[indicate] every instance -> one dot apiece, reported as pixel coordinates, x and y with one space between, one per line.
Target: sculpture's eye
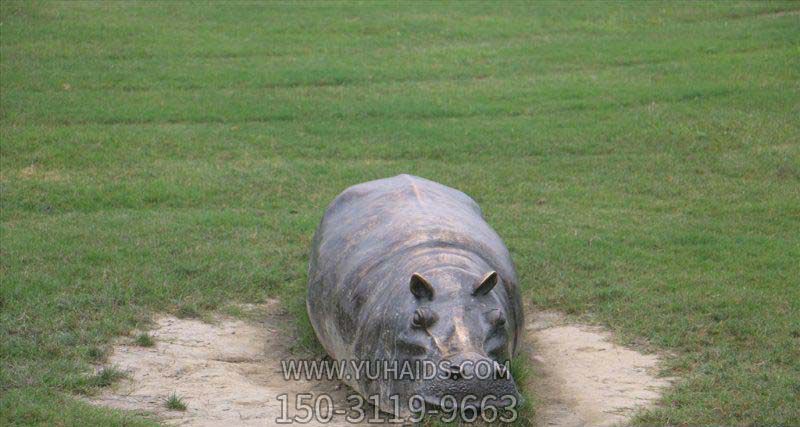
496 318
423 318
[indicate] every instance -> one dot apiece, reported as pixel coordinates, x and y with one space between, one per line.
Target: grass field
641 161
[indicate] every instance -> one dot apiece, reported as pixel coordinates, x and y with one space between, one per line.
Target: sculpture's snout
472 382
472 365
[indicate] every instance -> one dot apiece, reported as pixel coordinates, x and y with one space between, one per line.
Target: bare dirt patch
582 378
229 373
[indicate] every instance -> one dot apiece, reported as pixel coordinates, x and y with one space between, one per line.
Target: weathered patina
406 269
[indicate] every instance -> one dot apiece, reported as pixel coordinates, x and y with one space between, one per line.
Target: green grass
175 402
106 376
145 340
641 162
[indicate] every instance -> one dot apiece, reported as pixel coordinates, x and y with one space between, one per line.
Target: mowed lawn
641 161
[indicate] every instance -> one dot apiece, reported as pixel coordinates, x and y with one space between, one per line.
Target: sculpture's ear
485 284
420 287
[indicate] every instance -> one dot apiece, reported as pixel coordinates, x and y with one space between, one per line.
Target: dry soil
228 372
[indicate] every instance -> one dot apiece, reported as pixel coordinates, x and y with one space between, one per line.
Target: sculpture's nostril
500 371
454 371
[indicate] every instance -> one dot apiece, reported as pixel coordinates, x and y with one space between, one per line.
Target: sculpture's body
405 269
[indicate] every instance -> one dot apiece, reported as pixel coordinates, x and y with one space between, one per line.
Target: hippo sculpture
406 269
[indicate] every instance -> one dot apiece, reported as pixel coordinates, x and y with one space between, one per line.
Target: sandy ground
583 378
229 373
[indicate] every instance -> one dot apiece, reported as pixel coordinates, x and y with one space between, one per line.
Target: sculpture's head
459 323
